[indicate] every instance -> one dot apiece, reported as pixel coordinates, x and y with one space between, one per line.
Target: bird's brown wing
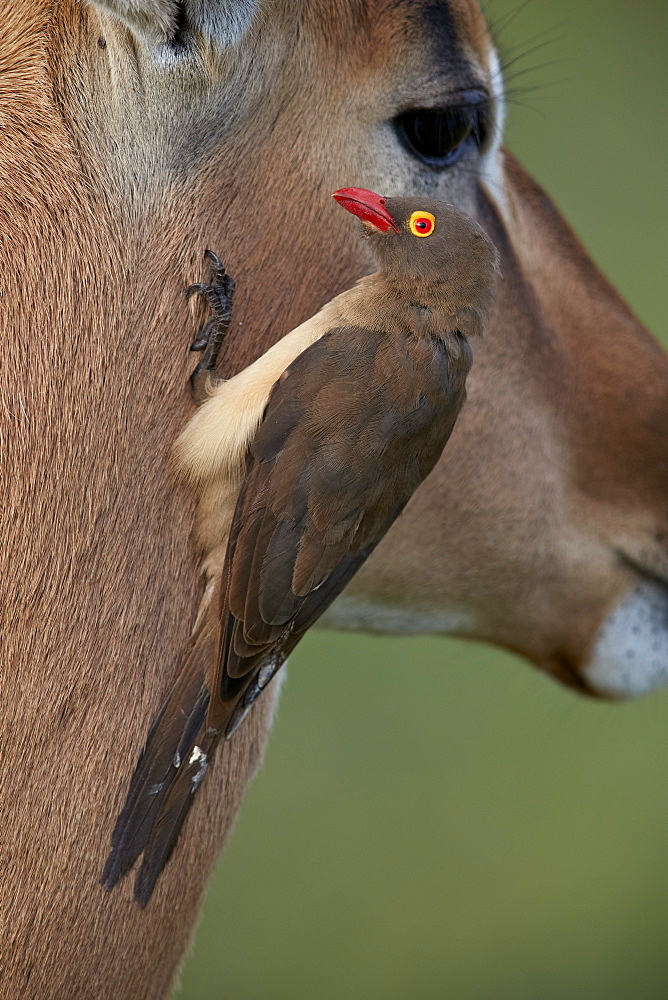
350 431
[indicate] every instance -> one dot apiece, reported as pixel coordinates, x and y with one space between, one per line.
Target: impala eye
439 138
422 223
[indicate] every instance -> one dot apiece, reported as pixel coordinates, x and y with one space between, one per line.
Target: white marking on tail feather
198 755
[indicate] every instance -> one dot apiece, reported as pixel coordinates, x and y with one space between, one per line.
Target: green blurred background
475 832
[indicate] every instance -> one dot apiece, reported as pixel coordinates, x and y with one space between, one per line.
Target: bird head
431 247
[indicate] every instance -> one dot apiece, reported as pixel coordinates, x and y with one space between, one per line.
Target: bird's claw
218 293
203 336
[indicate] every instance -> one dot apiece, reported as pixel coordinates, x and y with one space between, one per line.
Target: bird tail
168 774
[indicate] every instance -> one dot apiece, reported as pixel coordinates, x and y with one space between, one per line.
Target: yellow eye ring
422 223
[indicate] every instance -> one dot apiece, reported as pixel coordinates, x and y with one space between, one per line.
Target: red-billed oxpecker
303 461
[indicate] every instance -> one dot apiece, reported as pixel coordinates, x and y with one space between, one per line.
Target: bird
302 462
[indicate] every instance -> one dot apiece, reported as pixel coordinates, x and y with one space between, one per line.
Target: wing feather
350 430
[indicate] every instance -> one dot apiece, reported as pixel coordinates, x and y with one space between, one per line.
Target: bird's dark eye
439 138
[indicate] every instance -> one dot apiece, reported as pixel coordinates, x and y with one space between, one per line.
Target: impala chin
630 654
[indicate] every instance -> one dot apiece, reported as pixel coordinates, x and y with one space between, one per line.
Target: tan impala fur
543 528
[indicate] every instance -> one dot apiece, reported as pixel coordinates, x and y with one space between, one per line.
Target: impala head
544 527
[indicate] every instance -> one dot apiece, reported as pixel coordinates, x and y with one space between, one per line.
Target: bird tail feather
166 778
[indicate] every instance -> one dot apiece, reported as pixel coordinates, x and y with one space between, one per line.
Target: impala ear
157 21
